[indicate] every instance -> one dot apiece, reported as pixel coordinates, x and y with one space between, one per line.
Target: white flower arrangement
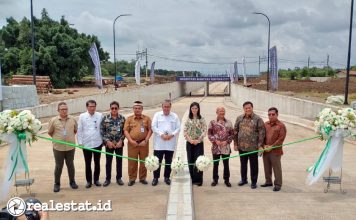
329 121
151 163
202 163
13 122
177 165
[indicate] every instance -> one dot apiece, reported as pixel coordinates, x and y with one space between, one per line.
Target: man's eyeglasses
114 108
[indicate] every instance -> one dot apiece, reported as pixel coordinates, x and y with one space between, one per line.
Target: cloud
206 30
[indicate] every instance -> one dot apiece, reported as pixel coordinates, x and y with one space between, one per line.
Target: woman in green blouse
194 132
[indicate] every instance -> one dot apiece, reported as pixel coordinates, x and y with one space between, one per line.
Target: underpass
296 200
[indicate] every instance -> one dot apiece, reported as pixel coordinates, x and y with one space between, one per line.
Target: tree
61 52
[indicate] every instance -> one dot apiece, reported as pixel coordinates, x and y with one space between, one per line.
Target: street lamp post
349 56
269 33
33 47
113 30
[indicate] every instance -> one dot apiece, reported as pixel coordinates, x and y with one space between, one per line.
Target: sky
208 35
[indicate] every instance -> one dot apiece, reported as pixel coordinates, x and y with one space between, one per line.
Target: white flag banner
93 51
273 68
183 74
152 73
138 73
231 74
236 71
244 70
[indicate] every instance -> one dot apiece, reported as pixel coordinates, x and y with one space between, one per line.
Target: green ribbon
189 164
327 130
18 151
86 148
270 148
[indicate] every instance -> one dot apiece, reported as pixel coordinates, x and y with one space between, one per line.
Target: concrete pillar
206 89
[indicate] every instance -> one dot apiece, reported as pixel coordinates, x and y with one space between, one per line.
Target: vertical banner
138 72
93 51
152 73
231 73
273 68
183 73
236 71
244 70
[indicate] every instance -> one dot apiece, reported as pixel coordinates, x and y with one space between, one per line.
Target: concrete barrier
262 100
150 95
19 96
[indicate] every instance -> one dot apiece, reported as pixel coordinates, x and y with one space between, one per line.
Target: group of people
95 131
250 135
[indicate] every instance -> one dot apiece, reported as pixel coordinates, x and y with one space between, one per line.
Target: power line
189 61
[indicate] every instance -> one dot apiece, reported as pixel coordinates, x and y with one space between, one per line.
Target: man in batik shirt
249 136
220 134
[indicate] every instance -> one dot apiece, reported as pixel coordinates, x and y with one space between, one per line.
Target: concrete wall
150 95
19 96
286 105
319 79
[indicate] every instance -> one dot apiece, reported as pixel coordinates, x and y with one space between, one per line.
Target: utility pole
349 56
327 61
33 47
308 62
259 65
146 63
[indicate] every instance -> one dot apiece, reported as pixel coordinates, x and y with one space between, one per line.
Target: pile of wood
43 83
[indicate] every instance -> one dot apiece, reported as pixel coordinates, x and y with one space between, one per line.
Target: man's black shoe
97 183
106 183
253 186
144 182
154 182
88 185
266 185
167 181
241 183
276 188
56 187
131 183
227 183
214 183
120 182
73 185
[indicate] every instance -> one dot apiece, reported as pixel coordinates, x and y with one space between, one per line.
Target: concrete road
295 201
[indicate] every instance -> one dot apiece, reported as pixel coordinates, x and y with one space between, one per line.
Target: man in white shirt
165 126
89 136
